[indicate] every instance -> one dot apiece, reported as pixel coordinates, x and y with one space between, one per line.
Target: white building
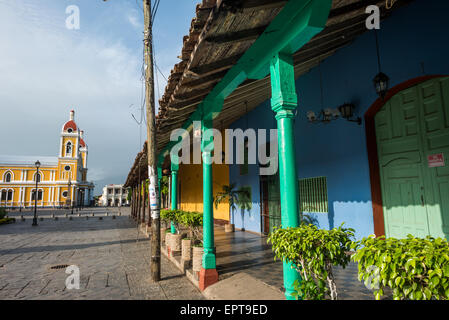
114 195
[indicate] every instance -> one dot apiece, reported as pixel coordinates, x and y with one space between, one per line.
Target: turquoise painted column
283 103
174 195
208 211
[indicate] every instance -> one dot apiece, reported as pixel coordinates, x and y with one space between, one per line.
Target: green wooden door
410 127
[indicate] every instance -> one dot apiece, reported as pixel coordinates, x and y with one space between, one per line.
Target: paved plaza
113 258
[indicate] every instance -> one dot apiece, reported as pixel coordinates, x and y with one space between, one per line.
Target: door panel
410 127
435 123
272 202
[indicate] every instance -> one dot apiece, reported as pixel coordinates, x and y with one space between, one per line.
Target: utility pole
151 137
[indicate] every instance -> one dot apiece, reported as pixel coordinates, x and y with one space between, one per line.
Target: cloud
47 70
133 19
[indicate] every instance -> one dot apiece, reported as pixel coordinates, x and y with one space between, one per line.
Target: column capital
283 83
285 114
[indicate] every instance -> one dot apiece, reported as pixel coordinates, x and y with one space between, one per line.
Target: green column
208 211
174 195
283 103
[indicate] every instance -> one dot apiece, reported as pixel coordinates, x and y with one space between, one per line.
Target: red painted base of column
207 277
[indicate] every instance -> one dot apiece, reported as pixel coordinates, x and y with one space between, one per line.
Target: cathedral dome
71 123
82 143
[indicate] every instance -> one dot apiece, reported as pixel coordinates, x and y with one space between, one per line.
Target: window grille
313 195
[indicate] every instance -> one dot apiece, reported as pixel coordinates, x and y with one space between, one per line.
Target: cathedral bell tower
69 153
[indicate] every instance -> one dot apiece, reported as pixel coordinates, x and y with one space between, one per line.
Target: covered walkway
246 252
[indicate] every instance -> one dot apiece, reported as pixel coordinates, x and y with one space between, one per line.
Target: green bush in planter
193 221
169 216
313 252
414 268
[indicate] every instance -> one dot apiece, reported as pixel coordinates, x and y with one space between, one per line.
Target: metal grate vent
313 195
59 266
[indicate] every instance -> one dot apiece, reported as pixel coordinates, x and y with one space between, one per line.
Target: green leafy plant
313 252
193 221
7 220
3 213
308 219
167 216
413 268
229 193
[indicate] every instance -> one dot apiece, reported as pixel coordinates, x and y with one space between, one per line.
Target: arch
10 195
6 174
69 149
40 194
3 194
41 176
373 157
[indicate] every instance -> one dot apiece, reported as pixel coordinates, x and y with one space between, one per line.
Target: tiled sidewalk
114 261
250 253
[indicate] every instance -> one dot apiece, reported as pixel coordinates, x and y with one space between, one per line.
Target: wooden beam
216 65
205 80
357 5
243 35
241 5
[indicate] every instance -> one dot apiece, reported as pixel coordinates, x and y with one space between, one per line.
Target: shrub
415 269
3 213
312 253
7 220
169 216
193 221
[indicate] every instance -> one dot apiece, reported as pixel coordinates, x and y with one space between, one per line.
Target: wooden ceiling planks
220 34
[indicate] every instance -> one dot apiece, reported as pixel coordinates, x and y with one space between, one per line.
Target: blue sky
46 70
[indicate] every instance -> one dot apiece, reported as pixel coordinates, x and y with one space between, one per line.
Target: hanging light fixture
381 80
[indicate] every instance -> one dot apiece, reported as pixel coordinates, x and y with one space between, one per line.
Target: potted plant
175 245
186 243
229 193
166 216
194 222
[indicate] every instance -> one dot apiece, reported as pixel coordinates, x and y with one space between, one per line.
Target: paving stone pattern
113 265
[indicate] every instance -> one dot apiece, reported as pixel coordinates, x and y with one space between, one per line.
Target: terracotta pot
163 235
229 227
197 258
175 244
168 239
186 249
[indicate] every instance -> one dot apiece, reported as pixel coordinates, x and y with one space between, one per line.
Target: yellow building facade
190 184
62 180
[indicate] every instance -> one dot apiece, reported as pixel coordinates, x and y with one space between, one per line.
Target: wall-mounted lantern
345 111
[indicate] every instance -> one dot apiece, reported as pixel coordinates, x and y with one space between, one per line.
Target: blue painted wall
413 35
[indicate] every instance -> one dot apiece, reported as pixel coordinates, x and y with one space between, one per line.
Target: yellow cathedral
62 180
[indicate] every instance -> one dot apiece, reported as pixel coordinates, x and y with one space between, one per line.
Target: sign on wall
436 160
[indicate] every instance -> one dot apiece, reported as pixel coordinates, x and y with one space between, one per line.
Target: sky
46 70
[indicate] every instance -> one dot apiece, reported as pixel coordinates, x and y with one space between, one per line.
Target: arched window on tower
68 149
37 177
8 177
10 195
